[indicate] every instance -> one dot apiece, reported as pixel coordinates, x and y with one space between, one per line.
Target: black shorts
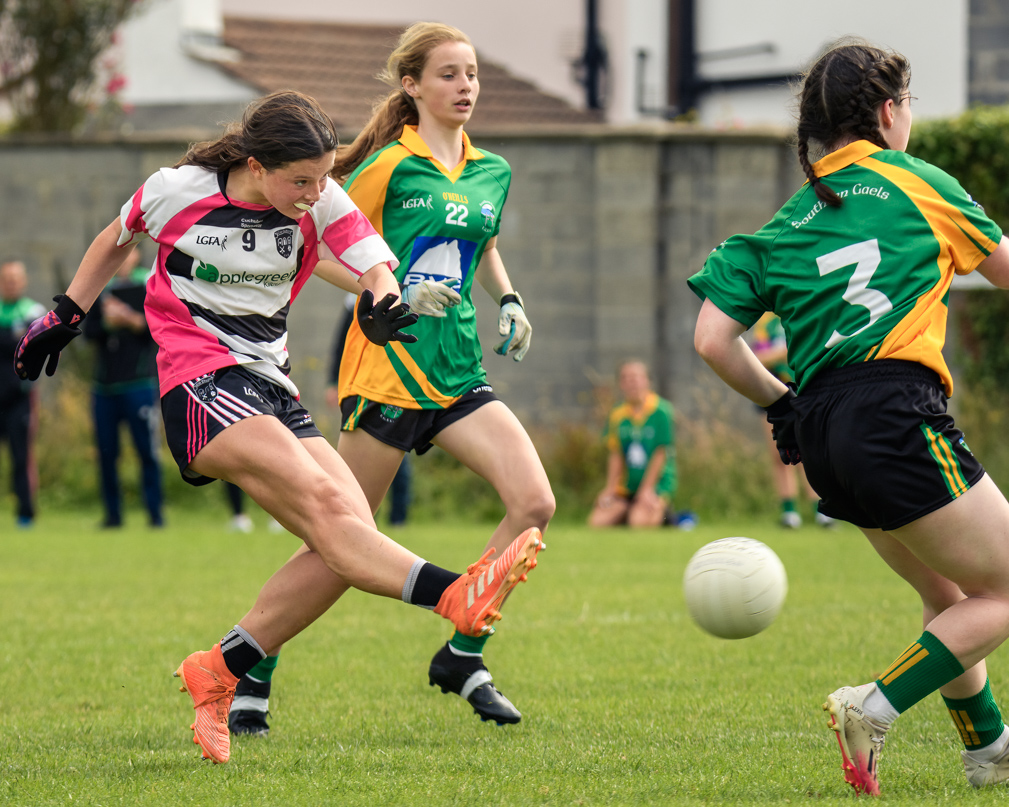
199 410
878 446
409 429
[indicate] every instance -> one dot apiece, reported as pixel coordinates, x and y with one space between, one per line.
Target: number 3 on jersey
865 255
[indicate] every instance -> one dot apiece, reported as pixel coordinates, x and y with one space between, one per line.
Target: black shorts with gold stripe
879 447
409 429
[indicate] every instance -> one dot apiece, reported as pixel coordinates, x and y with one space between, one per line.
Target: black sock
241 652
426 584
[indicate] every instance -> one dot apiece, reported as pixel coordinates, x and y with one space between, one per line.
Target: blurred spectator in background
18 400
770 346
640 435
125 389
240 520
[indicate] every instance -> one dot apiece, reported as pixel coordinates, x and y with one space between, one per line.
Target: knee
325 502
539 508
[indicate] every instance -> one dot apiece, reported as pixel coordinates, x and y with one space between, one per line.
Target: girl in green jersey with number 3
437 201
858 265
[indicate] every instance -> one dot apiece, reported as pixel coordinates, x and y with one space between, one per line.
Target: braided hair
839 102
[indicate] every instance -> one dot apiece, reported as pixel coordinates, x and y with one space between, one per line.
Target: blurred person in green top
18 401
640 435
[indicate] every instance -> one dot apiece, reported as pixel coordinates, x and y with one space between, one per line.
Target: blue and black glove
46 337
783 418
381 322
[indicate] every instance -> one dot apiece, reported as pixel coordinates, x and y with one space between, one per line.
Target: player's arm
718 339
383 322
513 324
380 281
99 265
46 337
995 268
337 275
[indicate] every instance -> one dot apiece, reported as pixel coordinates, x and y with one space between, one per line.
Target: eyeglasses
907 97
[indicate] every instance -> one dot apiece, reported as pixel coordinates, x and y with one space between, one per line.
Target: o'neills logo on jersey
285 242
489 215
211 274
419 202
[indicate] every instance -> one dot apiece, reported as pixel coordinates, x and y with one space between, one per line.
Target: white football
734 587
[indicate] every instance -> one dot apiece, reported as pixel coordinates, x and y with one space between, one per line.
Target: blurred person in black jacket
125 389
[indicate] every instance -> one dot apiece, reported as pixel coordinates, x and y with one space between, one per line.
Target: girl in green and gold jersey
437 201
858 265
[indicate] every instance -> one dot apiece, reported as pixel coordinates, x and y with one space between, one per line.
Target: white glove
430 298
513 325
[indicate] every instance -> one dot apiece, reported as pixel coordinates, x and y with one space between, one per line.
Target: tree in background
49 58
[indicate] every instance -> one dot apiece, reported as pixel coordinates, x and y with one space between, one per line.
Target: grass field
625 700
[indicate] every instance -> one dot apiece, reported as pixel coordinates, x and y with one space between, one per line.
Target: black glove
381 322
782 418
46 337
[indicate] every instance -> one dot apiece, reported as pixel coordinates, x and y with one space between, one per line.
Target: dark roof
338 64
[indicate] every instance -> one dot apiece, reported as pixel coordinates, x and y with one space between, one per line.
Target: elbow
705 345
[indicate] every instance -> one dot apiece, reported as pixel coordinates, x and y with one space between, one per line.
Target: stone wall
988 37
599 235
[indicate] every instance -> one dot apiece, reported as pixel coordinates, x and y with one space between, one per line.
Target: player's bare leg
957 558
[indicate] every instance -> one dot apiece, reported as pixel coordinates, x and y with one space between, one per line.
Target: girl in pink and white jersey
240 223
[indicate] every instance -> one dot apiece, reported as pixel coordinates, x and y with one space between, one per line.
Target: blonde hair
397 109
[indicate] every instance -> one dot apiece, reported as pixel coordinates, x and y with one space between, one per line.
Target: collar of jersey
844 156
411 140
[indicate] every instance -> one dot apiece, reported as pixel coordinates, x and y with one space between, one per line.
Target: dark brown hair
840 99
277 129
397 109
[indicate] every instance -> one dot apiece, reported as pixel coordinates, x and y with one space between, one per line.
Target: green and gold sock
921 669
977 718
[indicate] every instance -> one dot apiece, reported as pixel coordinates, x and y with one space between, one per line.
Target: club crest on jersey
285 242
207 271
205 388
390 413
489 215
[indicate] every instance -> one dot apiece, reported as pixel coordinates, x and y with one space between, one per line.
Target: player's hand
430 298
46 337
381 322
513 325
782 418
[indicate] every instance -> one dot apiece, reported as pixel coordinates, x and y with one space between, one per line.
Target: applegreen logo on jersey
207 271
